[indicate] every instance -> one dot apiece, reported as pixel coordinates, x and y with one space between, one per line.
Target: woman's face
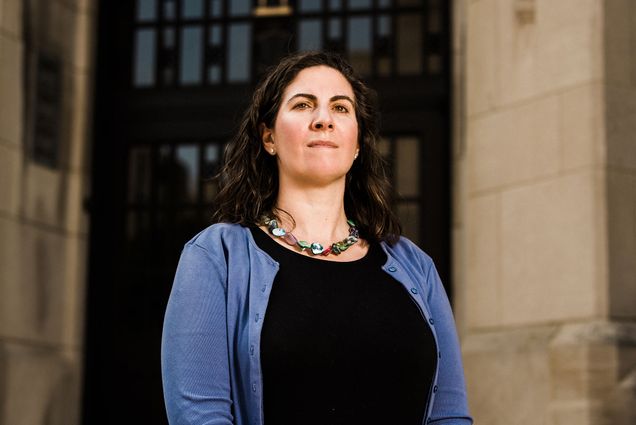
315 135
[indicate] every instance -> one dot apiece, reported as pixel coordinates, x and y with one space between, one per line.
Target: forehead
319 80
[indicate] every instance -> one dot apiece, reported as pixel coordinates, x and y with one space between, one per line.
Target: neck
318 212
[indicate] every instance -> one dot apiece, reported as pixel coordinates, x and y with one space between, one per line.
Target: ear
267 139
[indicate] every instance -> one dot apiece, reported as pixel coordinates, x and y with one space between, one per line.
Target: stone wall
43 228
545 210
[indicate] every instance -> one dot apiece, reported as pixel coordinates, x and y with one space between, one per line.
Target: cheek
288 130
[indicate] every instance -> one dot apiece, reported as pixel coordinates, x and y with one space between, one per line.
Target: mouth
322 144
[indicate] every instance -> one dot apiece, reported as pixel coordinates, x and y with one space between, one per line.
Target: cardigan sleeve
450 406
194 348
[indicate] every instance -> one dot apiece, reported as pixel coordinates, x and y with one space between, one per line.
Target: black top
342 343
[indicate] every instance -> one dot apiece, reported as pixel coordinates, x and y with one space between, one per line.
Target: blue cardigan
210 353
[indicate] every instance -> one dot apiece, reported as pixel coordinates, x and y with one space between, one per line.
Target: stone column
43 228
545 196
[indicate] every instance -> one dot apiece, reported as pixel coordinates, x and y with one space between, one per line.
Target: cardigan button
435 389
252 349
431 321
256 317
254 387
414 290
392 269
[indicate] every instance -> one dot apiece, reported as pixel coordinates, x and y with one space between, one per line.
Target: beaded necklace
314 248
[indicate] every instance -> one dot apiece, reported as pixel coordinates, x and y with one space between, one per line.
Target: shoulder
219 239
219 233
405 251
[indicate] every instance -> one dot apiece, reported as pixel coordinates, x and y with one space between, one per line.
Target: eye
341 108
302 105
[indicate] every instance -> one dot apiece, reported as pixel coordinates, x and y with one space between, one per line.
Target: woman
340 322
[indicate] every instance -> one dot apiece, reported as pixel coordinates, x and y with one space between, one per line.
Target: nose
322 120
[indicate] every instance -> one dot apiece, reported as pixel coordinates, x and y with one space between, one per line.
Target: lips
322 144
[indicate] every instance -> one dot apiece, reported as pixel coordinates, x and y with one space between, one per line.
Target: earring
272 151
356 154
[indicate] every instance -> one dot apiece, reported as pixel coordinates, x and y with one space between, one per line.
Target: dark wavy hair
248 179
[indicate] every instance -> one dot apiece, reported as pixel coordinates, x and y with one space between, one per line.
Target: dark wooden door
172 78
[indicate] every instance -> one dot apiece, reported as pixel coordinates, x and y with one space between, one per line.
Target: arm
194 349
450 406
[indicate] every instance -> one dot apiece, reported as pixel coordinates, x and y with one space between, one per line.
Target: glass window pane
239 52
168 37
384 25
359 44
435 65
146 10
409 44
192 9
434 17
137 229
384 3
359 4
216 8
335 4
407 181
310 34
239 7
187 172
214 74
335 28
145 58
191 55
215 35
384 147
164 179
408 214
211 164
384 66
169 10
139 175
309 5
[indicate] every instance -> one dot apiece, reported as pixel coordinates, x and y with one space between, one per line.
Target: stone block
593 374
621 210
507 375
620 42
514 145
560 48
11 90
483 261
583 124
83 39
42 385
11 17
481 71
74 292
45 195
9 267
78 109
552 252
10 164
568 370
34 299
75 218
621 126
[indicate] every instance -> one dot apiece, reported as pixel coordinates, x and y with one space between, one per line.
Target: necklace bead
314 248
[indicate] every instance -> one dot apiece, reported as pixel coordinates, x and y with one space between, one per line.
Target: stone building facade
544 208
43 226
545 231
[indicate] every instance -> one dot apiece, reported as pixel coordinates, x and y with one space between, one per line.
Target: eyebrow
314 98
